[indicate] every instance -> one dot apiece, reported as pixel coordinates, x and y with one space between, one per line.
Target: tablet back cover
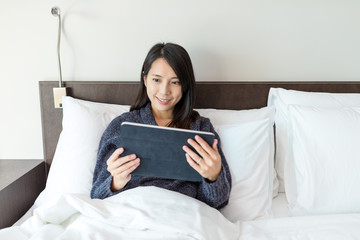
160 150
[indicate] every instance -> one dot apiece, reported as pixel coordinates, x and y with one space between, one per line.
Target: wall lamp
60 91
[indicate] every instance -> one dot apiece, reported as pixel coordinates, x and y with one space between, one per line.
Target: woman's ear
145 82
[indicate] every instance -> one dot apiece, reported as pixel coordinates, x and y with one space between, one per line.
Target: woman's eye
176 82
155 79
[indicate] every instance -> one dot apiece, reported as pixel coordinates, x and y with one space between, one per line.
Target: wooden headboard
220 95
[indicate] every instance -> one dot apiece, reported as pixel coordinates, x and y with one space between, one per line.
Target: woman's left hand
208 161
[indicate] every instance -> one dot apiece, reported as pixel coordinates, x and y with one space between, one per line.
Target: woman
165 98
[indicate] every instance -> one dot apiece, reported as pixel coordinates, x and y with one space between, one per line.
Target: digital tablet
160 150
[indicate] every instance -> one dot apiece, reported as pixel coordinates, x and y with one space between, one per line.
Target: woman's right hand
120 168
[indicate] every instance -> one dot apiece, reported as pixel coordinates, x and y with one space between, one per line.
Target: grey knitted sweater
215 194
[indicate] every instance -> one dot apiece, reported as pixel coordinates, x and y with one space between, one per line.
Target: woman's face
163 88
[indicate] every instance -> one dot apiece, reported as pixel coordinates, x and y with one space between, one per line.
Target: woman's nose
164 88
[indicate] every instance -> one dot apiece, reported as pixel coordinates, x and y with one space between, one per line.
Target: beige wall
106 40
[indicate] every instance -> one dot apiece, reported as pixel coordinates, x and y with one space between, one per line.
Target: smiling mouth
162 100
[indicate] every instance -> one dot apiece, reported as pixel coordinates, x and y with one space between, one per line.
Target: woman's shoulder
129 115
203 123
199 117
132 116
113 128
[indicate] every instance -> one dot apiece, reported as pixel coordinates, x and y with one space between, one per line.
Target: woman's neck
163 122
162 119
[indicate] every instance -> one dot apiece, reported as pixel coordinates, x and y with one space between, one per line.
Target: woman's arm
102 179
217 193
216 184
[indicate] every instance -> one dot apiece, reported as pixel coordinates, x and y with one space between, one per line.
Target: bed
292 148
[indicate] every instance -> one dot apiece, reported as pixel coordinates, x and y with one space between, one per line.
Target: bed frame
220 95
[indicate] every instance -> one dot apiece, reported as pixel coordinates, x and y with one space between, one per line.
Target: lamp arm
60 91
55 11
58 52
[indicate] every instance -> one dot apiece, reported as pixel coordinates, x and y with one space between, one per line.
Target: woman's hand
208 162
120 168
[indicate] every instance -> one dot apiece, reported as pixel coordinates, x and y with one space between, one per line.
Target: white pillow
281 98
322 172
75 157
248 144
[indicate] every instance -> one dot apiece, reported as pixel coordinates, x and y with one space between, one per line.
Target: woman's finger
194 165
127 168
203 144
215 148
115 155
120 161
199 149
211 150
194 156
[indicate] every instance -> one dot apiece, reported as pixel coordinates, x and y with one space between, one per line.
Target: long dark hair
179 60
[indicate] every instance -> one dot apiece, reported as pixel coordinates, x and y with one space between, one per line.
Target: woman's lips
162 100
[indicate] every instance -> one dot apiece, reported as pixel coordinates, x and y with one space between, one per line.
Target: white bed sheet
279 206
317 227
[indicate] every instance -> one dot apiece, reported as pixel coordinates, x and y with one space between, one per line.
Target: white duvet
155 213
140 213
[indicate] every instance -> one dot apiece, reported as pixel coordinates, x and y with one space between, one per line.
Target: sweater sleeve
102 178
217 193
